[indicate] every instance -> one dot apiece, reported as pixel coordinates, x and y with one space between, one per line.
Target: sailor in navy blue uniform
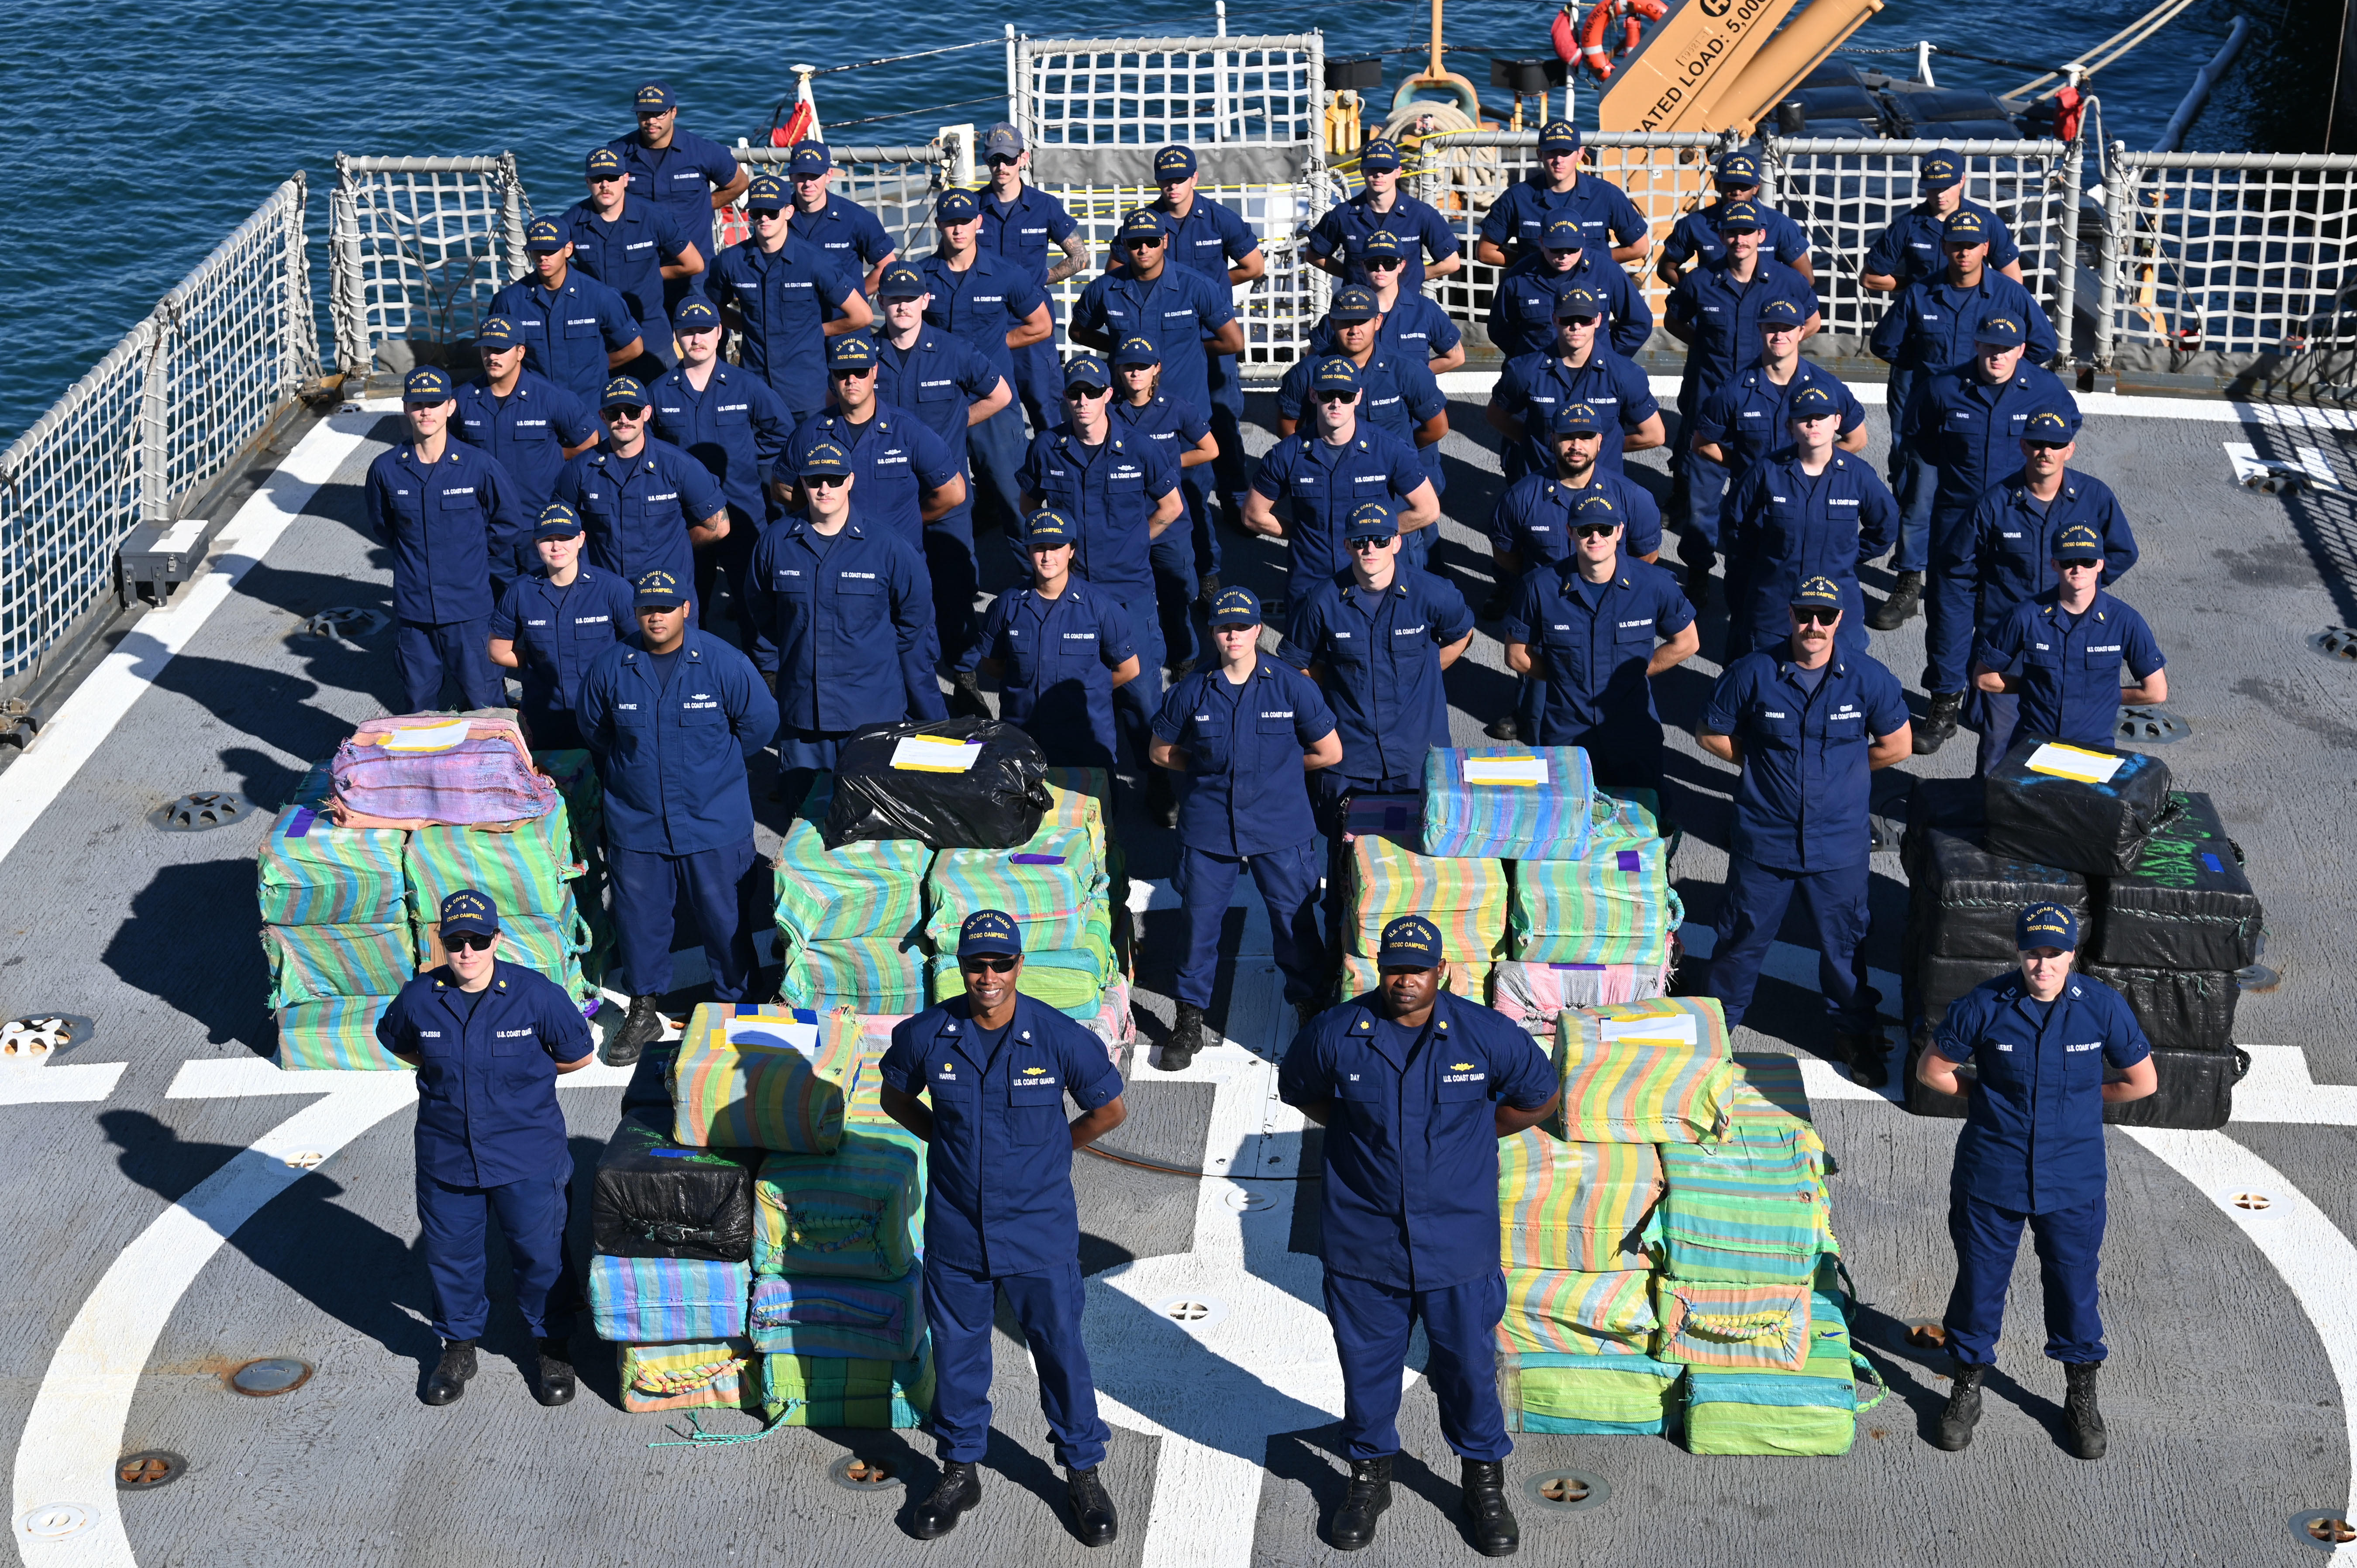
552 624
1000 309
1214 242
645 503
2043 1044
994 1067
1514 224
1415 1087
1397 394
1809 510
1590 633
734 423
1413 323
1694 237
449 514
671 715
787 298
1577 367
1908 248
576 331
846 616
634 246
488 1039
1715 310
908 478
2015 524
1532 523
1338 244
1240 737
1184 556
1968 423
1529 296
835 224
688 175
1330 470
1808 724
1019 221
521 417
1058 649
1176 307
2060 653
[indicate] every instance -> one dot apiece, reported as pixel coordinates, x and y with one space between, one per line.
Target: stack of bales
849 918
1057 888
333 930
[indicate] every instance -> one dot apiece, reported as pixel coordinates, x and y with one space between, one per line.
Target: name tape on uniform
1526 772
935 753
2060 761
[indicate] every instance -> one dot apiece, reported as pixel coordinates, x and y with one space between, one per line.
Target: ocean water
149 130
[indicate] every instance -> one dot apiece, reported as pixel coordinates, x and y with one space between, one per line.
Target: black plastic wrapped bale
951 783
1965 899
1942 982
1924 1100
2187 904
2045 814
650 1083
657 1199
1957 805
2196 1094
2179 1009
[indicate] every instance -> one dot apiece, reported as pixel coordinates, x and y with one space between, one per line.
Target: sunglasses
1384 263
624 413
1152 244
2047 446
606 178
1597 529
1083 394
1368 546
1000 160
1331 398
1578 321
1815 617
2079 563
1565 250
467 941
825 481
992 966
764 215
849 374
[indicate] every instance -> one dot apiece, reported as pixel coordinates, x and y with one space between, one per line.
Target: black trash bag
657 1199
2098 830
1963 900
995 804
2187 904
2196 1092
2180 1009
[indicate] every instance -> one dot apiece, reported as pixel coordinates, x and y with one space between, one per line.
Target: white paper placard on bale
935 753
427 737
1525 771
1680 1028
777 1034
2060 761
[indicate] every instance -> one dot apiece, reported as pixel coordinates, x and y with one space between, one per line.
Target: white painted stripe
89 716
65 1084
1787 961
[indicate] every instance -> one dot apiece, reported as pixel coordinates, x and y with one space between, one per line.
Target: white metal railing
164 412
416 248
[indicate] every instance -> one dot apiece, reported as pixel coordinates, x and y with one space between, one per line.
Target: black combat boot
1963 1412
1868 1057
2087 1436
1503 728
958 1489
1495 1533
642 1025
1906 595
1093 1516
450 1373
1186 1038
1370 1495
1936 730
553 1383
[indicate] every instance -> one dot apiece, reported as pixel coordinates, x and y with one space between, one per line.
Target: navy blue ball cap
658 590
496 332
2078 541
1354 302
1963 227
1597 507
852 351
468 911
625 391
1049 526
2046 926
654 98
694 315
1563 234
1140 223
1236 606
544 234
1086 370
604 164
1740 218
1382 243
1781 312
1738 170
424 385
2055 426
1372 519
1811 402
1938 171
809 159
2000 332
1378 156
1576 419
1558 136
823 457
1410 942
767 193
1174 163
1822 592
1334 373
956 207
990 933
1135 350
1577 304
557 520
901 281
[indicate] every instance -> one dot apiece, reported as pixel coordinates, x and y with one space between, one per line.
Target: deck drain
204 808
854 1474
308 1160
2254 1201
1246 1201
2325 1529
2149 726
2335 642
349 622
2257 977
1193 1313
1567 1491
272 1375
148 1469
32 1039
55 1521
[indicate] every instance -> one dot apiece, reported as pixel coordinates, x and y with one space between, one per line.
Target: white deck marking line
89 714
43 1082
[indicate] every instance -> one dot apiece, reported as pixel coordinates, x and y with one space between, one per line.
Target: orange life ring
1566 34
1591 40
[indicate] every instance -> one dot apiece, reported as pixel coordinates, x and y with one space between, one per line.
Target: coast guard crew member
1528 298
2032 1152
1415 1087
907 475
1715 310
787 299
842 228
1810 510
995 1066
995 305
671 715
734 423
1577 367
1185 558
645 504
1397 393
488 1039
1966 420
1242 736
1909 247
845 617
1019 221
1532 523
1213 241
634 247
552 624
448 513
1412 323
1694 237
1331 470
1182 313
1590 633
1338 244
1931 326
575 330
1807 724
2068 646
1058 649
1556 189
526 421
688 175
2015 524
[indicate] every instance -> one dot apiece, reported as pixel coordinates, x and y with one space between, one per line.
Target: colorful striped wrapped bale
818 1315
869 888
1467 897
312 964
524 868
1645 1072
575 774
1756 1327
866 974
1592 1396
1547 821
313 873
414 770
1071 979
1624 816
1534 995
337 1033
1615 907
843 1390
1786 1414
699 1375
1575 1312
1743 1213
747 1080
1361 975
856 1213
1083 800
1576 1206
1770 1106
1055 888
557 947
660 1300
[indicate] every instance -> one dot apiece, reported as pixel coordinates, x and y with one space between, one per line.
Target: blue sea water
149 130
